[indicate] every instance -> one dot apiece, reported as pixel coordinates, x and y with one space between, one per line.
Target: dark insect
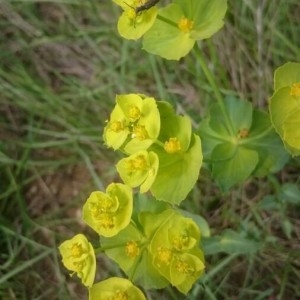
145 6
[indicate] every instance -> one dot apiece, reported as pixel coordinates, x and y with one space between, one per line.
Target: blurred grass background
61 65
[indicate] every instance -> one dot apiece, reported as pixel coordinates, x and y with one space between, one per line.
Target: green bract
181 23
132 25
134 123
175 252
78 256
115 288
108 213
179 160
161 248
284 106
130 250
139 169
246 146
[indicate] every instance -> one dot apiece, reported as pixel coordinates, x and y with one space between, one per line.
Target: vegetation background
61 65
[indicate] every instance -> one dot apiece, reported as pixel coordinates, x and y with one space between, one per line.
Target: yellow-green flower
284 106
78 256
134 123
179 25
139 169
175 250
133 23
110 212
115 288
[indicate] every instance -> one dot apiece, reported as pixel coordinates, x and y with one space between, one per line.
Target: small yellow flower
108 213
172 145
140 132
295 89
164 256
185 25
78 256
115 288
134 113
132 249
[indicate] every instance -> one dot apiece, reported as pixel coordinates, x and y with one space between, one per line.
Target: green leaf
239 113
139 268
206 15
263 139
290 193
173 125
286 75
177 173
181 23
241 145
230 242
232 164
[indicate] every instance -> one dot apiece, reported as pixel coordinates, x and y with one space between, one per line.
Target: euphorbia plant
150 238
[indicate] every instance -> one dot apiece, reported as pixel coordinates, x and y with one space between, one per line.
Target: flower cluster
78 256
108 213
172 31
167 243
284 106
115 288
154 249
158 143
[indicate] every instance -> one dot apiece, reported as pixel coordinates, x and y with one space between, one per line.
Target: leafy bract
284 106
240 145
176 253
177 173
136 264
286 75
180 24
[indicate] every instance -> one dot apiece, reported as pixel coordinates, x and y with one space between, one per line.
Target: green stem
213 84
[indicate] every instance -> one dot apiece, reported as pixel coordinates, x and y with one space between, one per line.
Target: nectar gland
184 268
116 126
172 145
185 25
140 133
134 113
164 256
132 249
295 89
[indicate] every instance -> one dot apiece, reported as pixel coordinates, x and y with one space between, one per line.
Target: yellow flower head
115 288
78 256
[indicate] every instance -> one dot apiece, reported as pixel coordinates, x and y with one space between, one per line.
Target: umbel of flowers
163 154
155 246
172 31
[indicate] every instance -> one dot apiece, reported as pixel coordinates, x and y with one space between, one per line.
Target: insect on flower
145 6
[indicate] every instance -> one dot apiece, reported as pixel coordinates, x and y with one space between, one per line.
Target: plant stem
213 84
